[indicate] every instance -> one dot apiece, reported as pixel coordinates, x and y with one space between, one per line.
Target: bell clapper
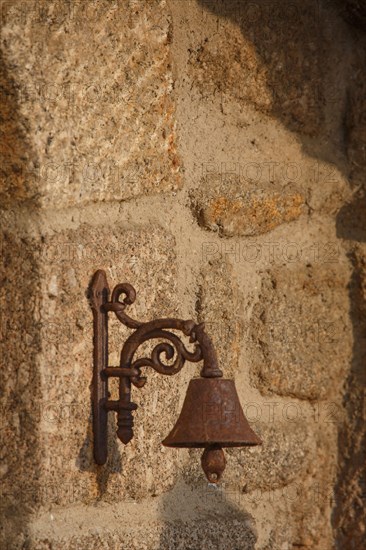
213 463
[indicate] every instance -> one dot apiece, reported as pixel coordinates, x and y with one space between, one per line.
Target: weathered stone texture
212 534
288 477
301 331
236 209
283 458
145 258
20 384
182 518
271 59
74 133
219 305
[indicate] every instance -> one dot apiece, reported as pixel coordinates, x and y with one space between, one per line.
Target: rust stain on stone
252 216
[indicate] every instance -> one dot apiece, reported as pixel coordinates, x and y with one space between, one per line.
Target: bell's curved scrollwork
159 330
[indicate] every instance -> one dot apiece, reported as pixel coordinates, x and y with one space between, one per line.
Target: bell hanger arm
157 329
204 349
129 371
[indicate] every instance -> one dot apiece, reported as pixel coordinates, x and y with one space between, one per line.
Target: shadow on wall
21 491
297 61
17 166
200 518
85 461
349 511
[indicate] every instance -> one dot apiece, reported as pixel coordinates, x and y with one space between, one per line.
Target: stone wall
211 153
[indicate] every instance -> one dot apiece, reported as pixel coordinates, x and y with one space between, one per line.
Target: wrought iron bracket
129 369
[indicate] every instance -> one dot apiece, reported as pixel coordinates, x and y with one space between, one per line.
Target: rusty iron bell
212 418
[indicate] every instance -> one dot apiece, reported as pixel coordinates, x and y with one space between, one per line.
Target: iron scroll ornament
129 370
194 427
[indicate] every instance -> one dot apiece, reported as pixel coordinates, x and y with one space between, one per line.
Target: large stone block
266 55
146 259
210 534
183 518
57 393
301 332
235 208
87 116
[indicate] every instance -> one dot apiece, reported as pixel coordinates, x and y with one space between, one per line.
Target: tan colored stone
86 116
270 60
183 518
212 534
252 215
300 331
219 305
146 259
20 384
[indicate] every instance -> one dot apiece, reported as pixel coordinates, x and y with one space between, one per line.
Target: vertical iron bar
100 296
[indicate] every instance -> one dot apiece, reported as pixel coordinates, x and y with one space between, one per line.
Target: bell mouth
211 415
204 444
